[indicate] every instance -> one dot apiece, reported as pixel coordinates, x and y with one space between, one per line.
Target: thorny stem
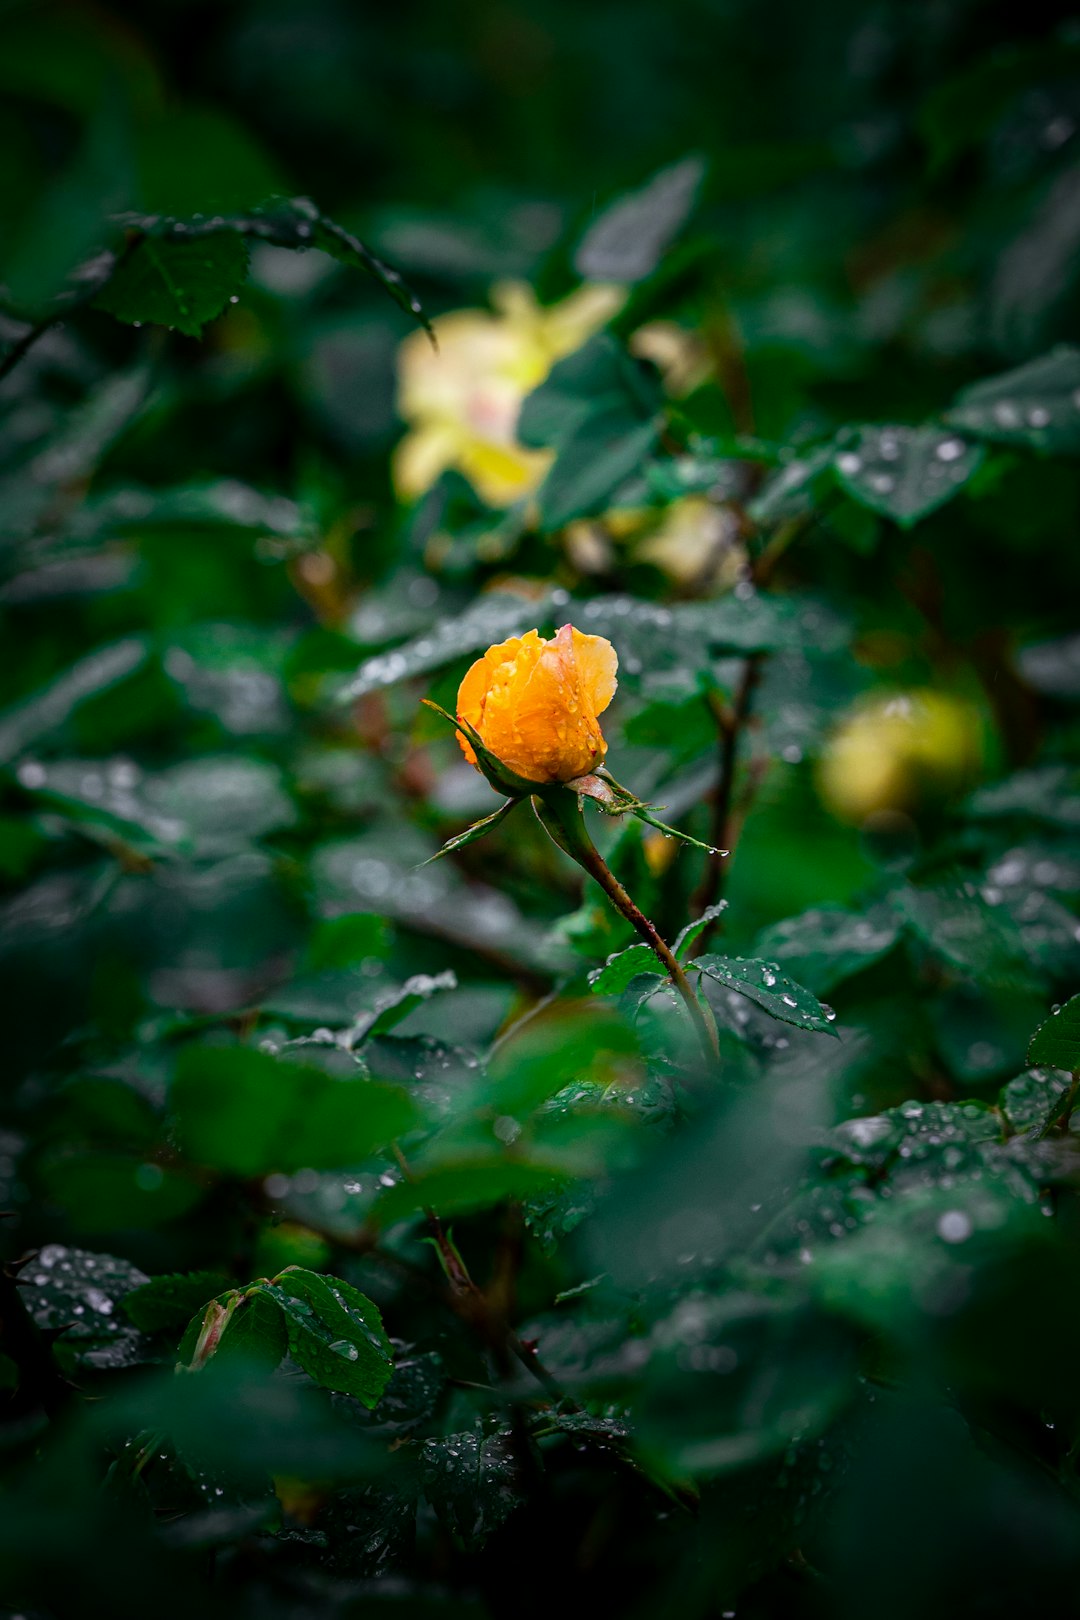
570 821
472 1306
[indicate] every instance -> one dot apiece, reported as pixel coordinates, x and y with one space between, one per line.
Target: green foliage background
495 1293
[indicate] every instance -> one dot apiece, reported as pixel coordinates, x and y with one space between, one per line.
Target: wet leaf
731 1380
689 936
170 280
397 1004
35 720
1036 406
764 983
335 1333
904 473
1057 1042
621 968
84 1293
953 922
286 222
828 945
472 1482
493 617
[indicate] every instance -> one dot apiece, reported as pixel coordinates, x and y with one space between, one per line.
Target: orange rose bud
534 703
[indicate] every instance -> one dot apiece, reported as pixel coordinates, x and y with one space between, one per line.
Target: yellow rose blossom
461 402
534 703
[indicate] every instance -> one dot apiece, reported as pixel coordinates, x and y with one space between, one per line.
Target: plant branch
24 344
564 819
471 1304
730 722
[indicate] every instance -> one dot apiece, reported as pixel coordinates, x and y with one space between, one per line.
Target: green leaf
927 1130
397 1004
254 1332
70 455
293 222
203 503
493 617
684 638
627 240
689 936
297 223
335 1333
600 409
650 637
1037 406
921 1248
1048 793
81 1291
472 1481
176 281
902 472
784 1370
794 488
619 969
599 379
458 1188
37 719
365 873
1057 1042
207 806
369 1530
1053 666
963 108
954 923
606 450
1032 1098
763 983
246 1113
584 1046
344 942
830 944
165 1303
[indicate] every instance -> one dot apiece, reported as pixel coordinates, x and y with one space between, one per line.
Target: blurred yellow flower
900 752
461 402
695 544
681 357
694 541
534 703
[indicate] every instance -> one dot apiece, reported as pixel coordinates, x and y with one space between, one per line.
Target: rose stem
577 843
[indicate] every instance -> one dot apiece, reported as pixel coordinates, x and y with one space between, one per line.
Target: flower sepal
501 777
471 834
615 800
